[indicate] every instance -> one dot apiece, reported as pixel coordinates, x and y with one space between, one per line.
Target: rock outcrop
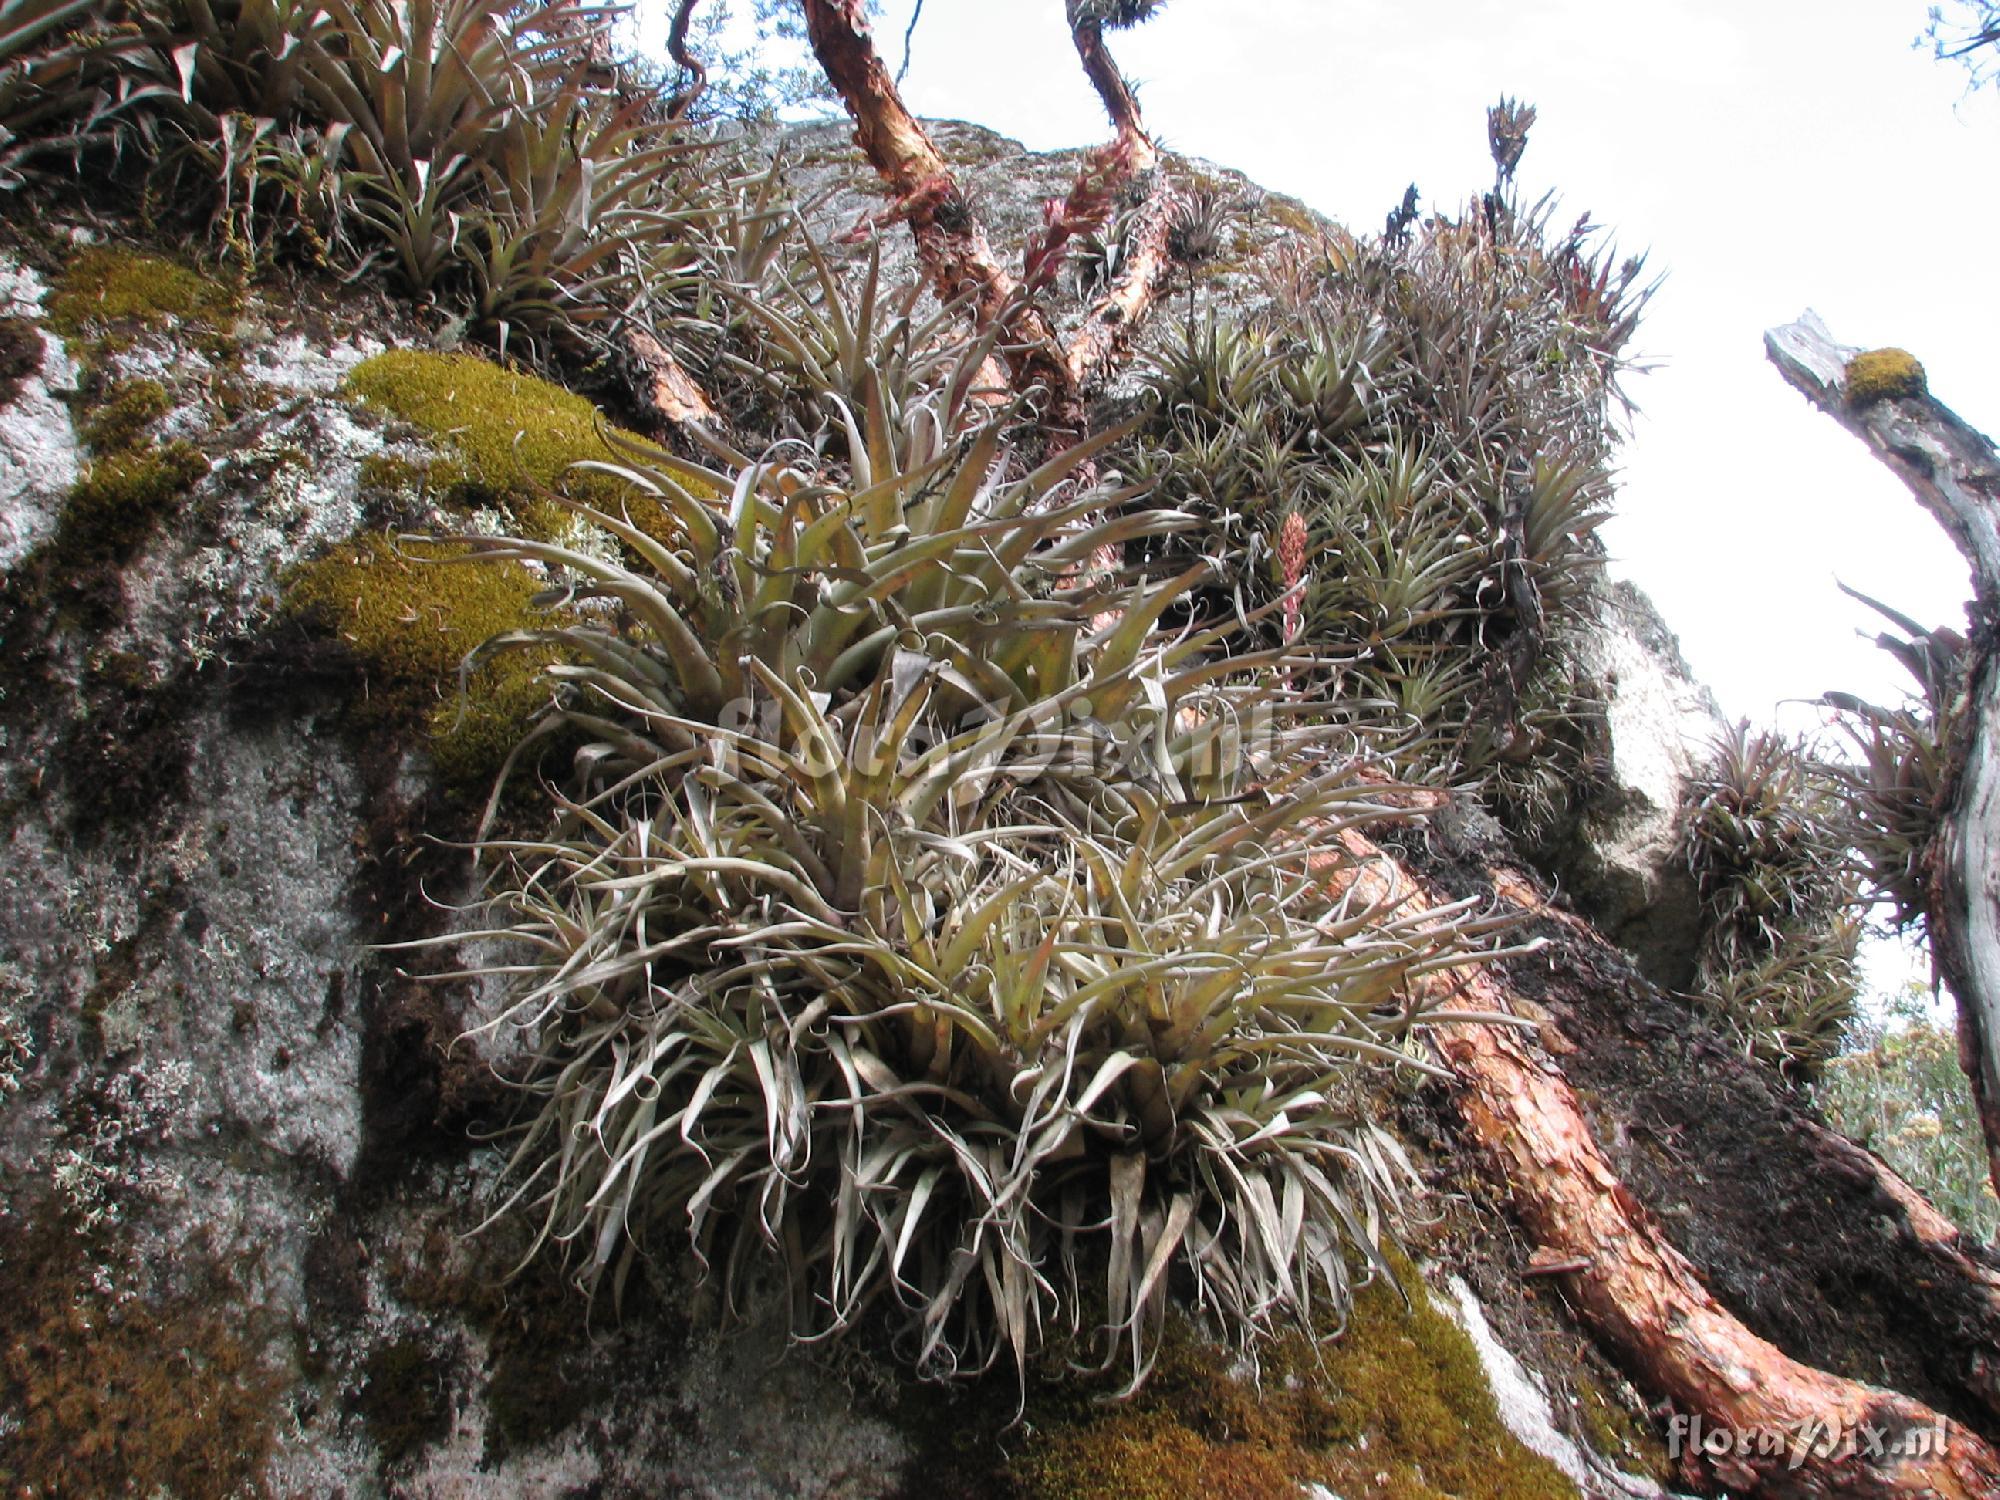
242 1149
1621 858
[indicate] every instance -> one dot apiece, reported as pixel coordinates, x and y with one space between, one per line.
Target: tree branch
1643 1296
909 40
1677 1341
686 61
1954 471
950 242
1119 101
1953 1313
1107 328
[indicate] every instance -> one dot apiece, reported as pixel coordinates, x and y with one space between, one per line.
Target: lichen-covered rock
38 446
240 1252
1621 860
231 758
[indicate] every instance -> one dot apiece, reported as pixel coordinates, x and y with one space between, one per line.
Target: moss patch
130 486
1617 1434
122 497
403 1398
123 1395
510 437
409 618
1294 217
1882 373
20 356
129 407
110 288
1395 1408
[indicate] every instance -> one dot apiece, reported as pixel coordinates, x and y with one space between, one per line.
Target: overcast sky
1768 156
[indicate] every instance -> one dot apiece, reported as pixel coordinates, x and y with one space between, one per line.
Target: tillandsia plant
813 349
1793 1007
1765 842
1436 407
930 921
1893 786
481 148
60 83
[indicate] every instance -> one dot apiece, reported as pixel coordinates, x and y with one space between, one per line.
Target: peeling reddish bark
666 394
1105 336
1106 332
950 242
1104 172
1644 1300
1919 1225
1102 70
1942 1253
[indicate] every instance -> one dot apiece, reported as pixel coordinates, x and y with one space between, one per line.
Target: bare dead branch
1954 472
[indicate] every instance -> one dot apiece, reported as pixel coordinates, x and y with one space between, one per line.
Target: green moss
1396 1408
402 1398
1151 1456
1618 1435
1294 216
123 1393
410 618
105 287
127 410
399 478
1882 373
511 437
20 356
1410 1380
122 497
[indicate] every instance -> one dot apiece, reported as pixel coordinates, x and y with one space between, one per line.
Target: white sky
1769 156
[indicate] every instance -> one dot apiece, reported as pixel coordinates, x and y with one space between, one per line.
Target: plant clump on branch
1764 840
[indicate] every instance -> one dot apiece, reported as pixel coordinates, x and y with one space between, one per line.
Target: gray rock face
38 454
1623 863
214 1096
215 1091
